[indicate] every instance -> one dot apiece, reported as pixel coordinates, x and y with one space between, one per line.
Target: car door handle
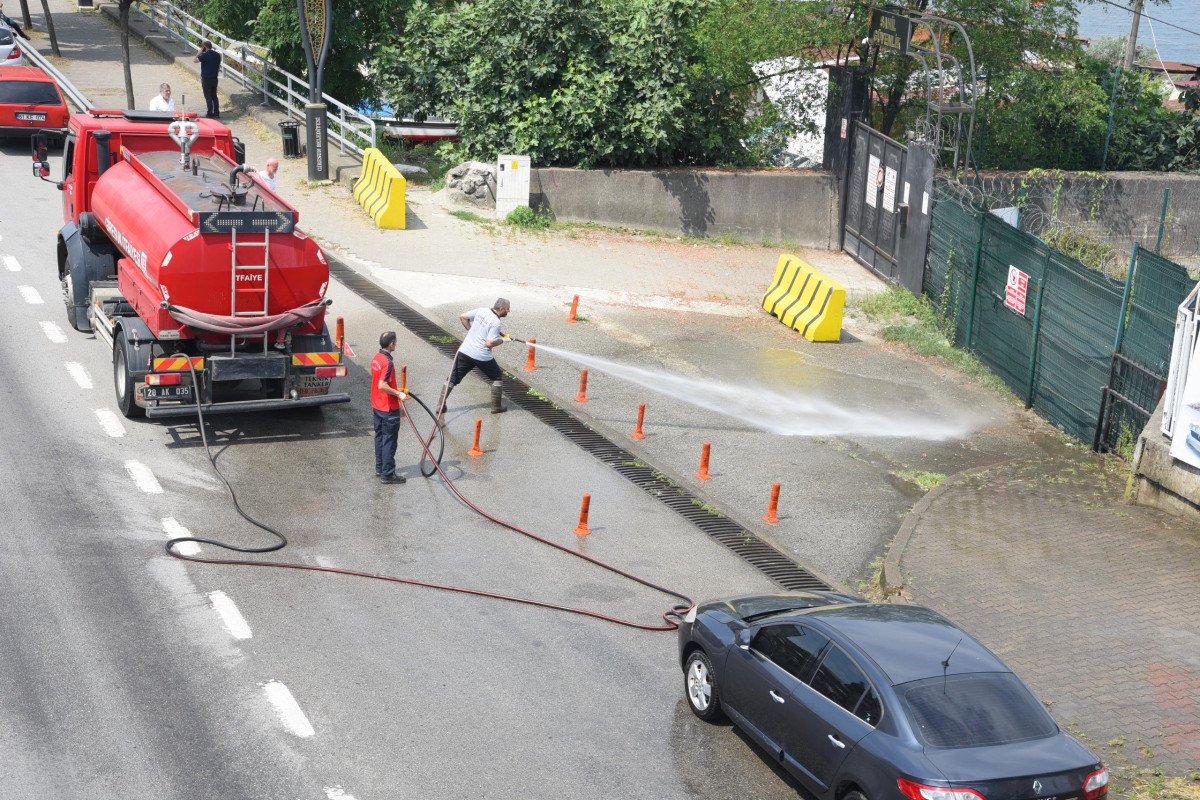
774 696
837 742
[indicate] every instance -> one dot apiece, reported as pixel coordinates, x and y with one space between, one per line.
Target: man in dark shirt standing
210 70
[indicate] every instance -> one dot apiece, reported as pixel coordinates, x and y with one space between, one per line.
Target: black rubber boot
441 406
498 398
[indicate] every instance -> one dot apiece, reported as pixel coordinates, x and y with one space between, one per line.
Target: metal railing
73 95
249 65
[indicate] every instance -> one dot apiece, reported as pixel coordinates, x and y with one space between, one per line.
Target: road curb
891 580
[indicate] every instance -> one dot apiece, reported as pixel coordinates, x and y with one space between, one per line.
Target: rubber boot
498 398
446 389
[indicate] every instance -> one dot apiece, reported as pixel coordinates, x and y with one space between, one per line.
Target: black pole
316 30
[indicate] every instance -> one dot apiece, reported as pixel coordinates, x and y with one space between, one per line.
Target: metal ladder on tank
238 291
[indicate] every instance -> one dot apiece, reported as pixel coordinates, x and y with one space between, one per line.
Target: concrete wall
1160 481
795 207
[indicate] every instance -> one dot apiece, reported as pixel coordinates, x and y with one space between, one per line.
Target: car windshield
974 710
29 93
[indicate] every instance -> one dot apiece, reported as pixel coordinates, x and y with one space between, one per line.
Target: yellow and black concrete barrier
380 190
806 300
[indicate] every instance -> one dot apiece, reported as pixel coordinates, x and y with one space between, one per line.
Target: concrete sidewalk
1029 547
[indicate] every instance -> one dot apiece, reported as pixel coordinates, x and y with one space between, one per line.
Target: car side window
69 158
869 709
840 679
794 648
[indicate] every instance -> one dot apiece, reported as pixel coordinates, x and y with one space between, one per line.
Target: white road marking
110 422
10 263
176 531
235 623
31 295
79 374
338 793
143 477
288 709
53 332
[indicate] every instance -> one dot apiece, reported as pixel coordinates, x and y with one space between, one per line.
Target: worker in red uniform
385 402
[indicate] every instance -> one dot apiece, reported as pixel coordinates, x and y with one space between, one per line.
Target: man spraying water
483 333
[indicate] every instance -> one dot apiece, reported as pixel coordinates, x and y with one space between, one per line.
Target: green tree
614 82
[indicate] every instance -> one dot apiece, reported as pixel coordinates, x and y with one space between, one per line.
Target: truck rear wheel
123 380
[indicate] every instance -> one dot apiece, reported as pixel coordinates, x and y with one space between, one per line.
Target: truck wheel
89 229
123 380
76 316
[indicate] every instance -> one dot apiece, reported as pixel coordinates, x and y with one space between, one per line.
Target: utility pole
1131 42
316 28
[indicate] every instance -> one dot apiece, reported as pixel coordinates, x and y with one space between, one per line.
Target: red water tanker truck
194 274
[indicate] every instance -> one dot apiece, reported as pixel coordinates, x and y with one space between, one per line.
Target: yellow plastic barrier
380 190
805 300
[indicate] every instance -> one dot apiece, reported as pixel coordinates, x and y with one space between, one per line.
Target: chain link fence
1085 345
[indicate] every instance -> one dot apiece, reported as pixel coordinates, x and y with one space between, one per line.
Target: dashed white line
110 422
53 332
235 623
176 531
337 793
79 374
143 477
31 295
10 263
288 709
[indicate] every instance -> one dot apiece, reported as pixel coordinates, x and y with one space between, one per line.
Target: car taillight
15 52
331 372
1096 785
919 791
165 379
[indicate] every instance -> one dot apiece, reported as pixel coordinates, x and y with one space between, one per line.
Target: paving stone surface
1093 602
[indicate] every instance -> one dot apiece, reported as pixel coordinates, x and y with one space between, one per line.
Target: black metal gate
887 206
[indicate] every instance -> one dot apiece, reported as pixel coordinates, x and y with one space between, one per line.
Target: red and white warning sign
1018 287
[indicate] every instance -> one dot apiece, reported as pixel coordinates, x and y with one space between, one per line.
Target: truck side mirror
40 147
41 169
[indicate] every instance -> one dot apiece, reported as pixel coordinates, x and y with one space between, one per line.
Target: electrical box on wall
512 183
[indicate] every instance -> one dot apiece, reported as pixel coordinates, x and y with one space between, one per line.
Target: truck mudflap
239 406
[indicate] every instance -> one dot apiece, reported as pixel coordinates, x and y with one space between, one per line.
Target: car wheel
123 380
700 685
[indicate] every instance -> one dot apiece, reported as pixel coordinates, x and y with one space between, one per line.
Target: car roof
907 642
24 74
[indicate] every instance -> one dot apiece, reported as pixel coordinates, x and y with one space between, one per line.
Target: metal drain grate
772 563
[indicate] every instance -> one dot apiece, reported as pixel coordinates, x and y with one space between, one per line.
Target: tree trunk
124 15
25 14
50 28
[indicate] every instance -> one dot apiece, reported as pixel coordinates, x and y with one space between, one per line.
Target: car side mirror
743 638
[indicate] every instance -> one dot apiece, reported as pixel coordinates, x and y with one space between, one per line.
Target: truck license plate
31 116
167 392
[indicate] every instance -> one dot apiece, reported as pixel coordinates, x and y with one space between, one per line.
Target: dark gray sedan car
877 701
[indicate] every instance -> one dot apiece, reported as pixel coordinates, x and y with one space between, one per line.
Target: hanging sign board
890 31
1015 292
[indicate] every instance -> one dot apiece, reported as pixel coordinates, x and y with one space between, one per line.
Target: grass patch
1134 783
926 480
470 216
529 219
930 343
443 339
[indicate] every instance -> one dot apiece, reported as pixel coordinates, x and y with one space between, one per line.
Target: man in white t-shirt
483 333
267 173
162 101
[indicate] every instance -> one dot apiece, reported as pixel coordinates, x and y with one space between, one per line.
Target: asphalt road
128 673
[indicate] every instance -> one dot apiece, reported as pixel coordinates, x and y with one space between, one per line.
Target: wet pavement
1093 602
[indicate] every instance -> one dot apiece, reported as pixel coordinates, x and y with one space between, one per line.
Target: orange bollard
582 396
773 507
529 356
404 378
637 434
475 451
703 473
582 528
574 308
341 334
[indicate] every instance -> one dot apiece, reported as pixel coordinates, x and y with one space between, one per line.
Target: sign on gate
890 31
1017 289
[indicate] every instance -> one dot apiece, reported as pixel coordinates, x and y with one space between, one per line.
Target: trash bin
239 151
289 129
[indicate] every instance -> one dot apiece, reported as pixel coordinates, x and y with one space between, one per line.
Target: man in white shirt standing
483 333
267 173
162 101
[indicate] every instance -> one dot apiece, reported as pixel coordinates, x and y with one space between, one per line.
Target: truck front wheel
123 380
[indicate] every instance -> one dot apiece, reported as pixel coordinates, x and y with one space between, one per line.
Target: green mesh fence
1059 357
